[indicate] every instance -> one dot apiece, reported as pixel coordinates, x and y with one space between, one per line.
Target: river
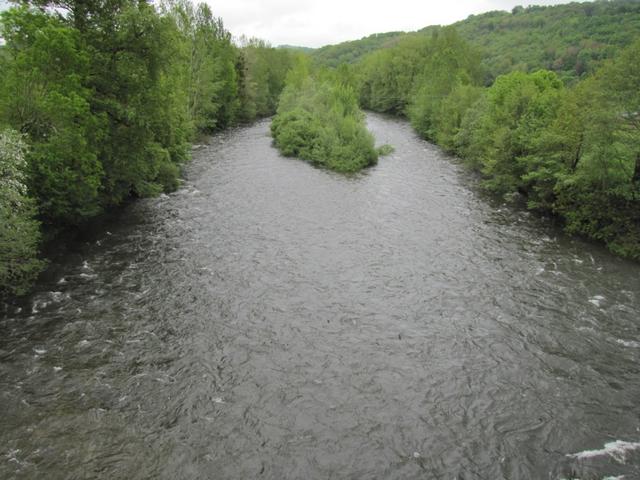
273 320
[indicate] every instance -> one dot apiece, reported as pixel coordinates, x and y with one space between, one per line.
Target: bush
19 231
384 150
320 121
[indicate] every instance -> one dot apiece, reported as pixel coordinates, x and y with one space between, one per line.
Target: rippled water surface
273 320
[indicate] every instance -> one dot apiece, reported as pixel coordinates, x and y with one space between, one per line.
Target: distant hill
352 51
570 39
296 48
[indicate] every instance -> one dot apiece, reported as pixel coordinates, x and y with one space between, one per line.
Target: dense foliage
571 39
264 70
108 95
354 50
19 234
319 120
572 150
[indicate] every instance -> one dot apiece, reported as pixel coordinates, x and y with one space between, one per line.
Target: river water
273 320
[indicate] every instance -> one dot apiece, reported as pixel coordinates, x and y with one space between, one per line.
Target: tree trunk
576 159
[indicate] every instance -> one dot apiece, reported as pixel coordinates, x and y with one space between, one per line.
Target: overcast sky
313 23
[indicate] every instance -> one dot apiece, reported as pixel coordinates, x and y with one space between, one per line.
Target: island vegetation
319 120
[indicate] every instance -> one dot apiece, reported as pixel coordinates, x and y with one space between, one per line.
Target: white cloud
315 23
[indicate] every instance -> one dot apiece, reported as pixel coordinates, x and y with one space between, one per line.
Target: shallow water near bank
273 320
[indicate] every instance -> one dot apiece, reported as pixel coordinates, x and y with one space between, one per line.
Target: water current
273 320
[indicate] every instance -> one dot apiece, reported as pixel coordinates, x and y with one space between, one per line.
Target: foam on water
628 343
58 297
617 450
11 455
596 300
621 477
586 329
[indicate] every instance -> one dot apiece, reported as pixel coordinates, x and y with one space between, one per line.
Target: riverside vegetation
566 137
572 149
106 97
99 101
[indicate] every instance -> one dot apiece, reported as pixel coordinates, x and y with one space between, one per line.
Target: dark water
272 320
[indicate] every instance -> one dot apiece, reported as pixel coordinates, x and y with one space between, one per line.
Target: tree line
572 149
572 39
99 101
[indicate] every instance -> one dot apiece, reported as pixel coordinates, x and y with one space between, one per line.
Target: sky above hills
314 23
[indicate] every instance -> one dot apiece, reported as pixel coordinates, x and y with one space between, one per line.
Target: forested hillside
570 39
296 48
99 102
352 51
572 149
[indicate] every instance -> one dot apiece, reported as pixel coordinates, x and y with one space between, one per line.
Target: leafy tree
451 62
517 108
447 120
263 71
43 96
19 231
207 62
599 195
388 76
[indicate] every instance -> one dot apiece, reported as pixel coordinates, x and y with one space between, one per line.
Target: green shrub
19 231
320 121
384 150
